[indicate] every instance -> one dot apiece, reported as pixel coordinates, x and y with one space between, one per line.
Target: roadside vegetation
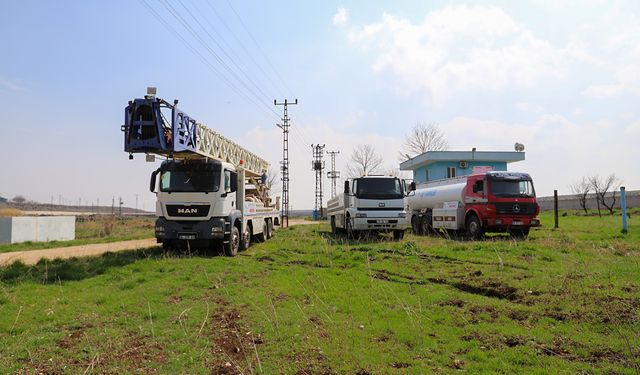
95 229
562 301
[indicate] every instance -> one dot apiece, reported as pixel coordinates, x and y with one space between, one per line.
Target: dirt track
33 256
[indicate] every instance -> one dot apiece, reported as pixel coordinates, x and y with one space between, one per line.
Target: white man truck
210 191
475 204
372 204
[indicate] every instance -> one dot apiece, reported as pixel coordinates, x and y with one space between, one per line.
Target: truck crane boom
148 130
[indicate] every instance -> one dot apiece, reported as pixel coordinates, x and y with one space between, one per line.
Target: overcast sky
561 77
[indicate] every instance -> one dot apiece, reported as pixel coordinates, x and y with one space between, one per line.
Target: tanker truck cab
373 204
511 204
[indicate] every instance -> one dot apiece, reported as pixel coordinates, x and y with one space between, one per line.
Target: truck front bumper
506 223
212 229
380 223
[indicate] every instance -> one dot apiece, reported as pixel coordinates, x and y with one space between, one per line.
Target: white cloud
341 17
530 107
458 48
627 82
11 85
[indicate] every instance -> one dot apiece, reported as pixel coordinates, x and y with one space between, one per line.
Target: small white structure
37 228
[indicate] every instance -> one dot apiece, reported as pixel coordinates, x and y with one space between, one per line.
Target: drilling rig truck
475 204
210 191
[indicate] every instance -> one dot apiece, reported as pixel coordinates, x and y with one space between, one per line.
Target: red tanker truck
476 204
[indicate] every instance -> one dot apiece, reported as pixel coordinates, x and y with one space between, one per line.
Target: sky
562 77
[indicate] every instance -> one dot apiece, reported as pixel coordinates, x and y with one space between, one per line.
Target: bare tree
364 161
422 138
273 176
601 187
19 199
581 189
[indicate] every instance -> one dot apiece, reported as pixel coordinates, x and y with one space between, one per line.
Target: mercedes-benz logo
516 208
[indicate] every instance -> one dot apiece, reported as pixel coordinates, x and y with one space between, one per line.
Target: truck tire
231 247
473 227
261 237
167 245
334 229
425 224
398 235
269 228
415 225
520 233
246 238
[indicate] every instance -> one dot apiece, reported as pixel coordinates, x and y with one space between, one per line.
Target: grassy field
95 229
563 301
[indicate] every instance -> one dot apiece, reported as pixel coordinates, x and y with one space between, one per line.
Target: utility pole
120 208
113 202
318 166
137 202
333 174
285 160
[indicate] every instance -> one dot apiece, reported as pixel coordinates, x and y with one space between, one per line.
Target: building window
451 172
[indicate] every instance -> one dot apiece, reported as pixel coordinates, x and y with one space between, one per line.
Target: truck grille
516 208
199 210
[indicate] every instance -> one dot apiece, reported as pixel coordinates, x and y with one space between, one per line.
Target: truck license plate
187 236
517 223
383 221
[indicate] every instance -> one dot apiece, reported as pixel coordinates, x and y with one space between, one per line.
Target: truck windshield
379 188
189 178
512 188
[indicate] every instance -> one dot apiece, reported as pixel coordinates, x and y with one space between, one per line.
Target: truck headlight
361 215
402 214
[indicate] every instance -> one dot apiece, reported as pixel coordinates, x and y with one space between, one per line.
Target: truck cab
369 204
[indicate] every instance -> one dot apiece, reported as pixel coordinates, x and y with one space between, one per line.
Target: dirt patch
73 335
235 349
481 312
487 288
309 361
388 335
265 258
399 364
306 263
453 302
174 300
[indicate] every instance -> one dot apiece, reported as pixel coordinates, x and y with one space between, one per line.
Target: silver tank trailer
433 196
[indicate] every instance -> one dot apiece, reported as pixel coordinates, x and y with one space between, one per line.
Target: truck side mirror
152 183
346 187
234 182
412 186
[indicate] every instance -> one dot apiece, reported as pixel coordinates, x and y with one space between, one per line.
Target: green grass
563 301
95 229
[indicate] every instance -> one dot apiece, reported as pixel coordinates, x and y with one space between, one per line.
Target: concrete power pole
285 160
333 174
318 166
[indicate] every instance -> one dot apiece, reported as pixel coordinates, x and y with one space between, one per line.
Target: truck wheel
334 229
261 237
167 245
415 225
349 228
269 229
398 235
246 238
519 233
474 228
425 224
231 247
